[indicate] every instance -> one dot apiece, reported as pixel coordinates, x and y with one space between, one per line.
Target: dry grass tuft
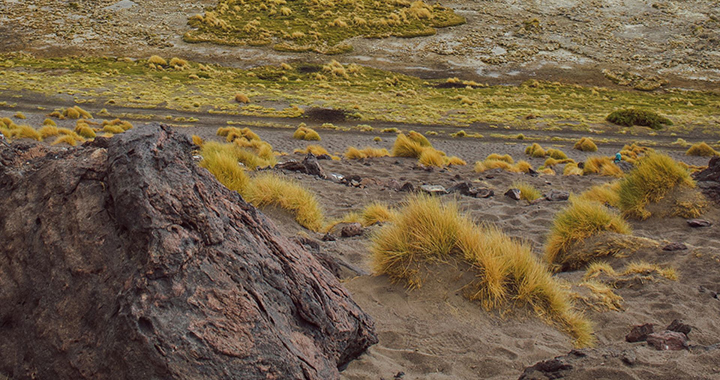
457 161
535 150
585 144
431 157
646 269
597 268
406 147
606 193
48 131
25 132
580 220
157 60
19 115
353 153
272 189
701 149
654 177
427 230
572 169
65 139
50 122
222 161
84 130
602 165
376 212
242 98
528 192
305 133
197 140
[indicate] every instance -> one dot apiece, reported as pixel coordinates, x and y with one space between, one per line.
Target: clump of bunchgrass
48 131
84 130
602 165
701 149
504 162
65 139
575 223
629 117
272 189
305 133
431 157
428 231
242 98
585 144
222 161
528 192
652 179
606 193
353 153
535 150
376 212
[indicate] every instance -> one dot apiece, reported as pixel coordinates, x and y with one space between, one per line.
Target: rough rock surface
668 340
708 180
639 333
123 259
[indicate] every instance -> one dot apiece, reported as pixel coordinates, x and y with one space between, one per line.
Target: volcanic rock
513 194
678 326
312 166
433 189
674 247
351 229
699 223
668 340
131 262
407 187
557 195
639 333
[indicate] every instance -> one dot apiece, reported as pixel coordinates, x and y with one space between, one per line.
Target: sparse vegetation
585 144
427 231
575 223
353 153
272 189
305 133
602 165
701 149
376 212
315 26
528 192
631 116
655 176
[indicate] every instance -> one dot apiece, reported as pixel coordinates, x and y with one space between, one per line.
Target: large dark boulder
708 180
124 260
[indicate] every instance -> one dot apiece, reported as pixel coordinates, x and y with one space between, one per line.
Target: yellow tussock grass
572 169
157 60
419 138
606 193
585 144
654 177
197 140
242 98
19 115
528 192
376 212
353 153
701 149
602 165
65 139
125 125
305 133
535 150
314 149
646 269
223 163
602 296
597 268
456 161
48 131
405 147
496 157
50 122
84 130
431 157
427 230
114 129
272 189
556 154
26 132
580 220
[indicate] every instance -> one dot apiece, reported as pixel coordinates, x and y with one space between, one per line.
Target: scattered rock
678 326
484 193
695 223
639 333
168 273
292 165
464 188
423 167
712 173
546 369
675 247
328 237
337 178
407 187
668 340
324 157
625 166
557 195
532 173
433 189
312 166
351 229
628 357
513 194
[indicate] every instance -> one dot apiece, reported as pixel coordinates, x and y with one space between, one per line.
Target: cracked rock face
123 259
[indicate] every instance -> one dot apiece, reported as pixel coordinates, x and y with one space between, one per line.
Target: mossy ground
370 95
317 25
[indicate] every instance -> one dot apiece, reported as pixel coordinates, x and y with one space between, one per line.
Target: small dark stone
408 187
433 189
532 173
484 193
699 223
513 194
557 195
552 365
399 375
489 176
678 326
312 166
639 333
328 237
464 188
324 157
629 357
352 229
675 247
668 340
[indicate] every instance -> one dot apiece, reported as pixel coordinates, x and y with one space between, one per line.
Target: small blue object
618 157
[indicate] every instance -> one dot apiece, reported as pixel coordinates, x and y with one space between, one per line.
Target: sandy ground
574 41
435 333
